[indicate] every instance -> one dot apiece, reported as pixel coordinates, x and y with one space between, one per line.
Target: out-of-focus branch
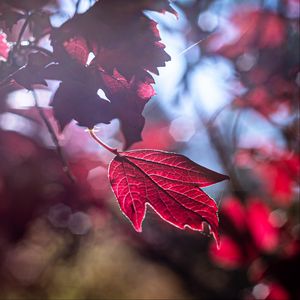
235 129
54 138
217 141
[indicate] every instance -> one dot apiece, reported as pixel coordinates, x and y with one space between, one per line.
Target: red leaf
118 33
133 95
170 183
264 234
127 46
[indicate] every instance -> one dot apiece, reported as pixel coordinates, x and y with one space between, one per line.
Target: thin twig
77 6
54 138
235 129
22 31
217 113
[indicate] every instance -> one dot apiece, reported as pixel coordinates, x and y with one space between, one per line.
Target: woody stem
54 138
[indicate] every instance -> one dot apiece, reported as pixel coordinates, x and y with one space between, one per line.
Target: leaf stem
94 136
54 138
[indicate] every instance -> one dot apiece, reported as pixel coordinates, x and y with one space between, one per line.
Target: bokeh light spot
208 21
182 129
59 215
261 291
79 223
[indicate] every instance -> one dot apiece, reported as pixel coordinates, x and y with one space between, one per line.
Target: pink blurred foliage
4 47
265 235
257 236
254 233
253 38
229 255
278 171
247 27
277 292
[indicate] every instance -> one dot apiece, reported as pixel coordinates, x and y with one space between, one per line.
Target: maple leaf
117 32
133 96
117 68
170 183
126 99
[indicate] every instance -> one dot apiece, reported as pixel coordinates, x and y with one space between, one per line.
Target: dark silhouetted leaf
126 45
74 100
118 33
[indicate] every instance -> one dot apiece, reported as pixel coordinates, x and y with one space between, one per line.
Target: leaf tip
138 227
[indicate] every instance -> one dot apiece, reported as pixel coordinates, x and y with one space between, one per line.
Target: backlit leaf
170 183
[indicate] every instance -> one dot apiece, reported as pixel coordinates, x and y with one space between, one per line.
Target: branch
54 138
217 141
22 31
217 113
235 129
